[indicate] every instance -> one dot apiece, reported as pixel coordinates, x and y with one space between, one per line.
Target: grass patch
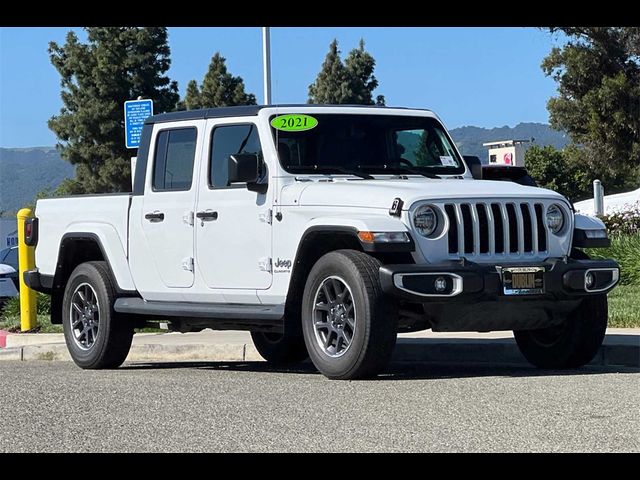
624 249
624 306
44 325
11 307
10 315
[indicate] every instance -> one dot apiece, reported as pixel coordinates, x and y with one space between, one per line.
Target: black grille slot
483 222
542 231
467 221
528 229
453 228
498 227
513 228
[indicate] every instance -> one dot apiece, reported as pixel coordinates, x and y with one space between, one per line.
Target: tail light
31 231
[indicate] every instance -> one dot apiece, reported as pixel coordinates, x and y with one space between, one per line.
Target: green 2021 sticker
294 123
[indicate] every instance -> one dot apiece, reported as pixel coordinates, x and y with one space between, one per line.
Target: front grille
507 228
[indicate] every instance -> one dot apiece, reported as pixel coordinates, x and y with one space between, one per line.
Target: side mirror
475 165
243 168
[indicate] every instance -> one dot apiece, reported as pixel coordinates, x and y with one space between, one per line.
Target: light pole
266 62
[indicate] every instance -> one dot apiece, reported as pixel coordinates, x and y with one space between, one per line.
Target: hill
470 139
26 171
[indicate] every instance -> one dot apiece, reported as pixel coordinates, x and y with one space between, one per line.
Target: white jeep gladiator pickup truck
325 231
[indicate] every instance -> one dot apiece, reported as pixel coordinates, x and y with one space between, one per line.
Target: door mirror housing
475 165
243 168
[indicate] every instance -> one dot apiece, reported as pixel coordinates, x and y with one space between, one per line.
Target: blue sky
486 77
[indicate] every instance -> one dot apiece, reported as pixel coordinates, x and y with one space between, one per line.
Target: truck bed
108 213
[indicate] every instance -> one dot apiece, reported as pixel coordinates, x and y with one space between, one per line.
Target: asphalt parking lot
248 406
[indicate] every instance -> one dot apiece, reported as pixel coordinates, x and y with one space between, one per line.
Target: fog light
440 284
589 280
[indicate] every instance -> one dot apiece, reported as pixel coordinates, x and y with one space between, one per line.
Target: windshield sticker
294 123
447 161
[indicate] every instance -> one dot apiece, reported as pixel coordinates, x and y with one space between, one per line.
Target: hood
381 193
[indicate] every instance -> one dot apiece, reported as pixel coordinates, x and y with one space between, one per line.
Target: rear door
233 239
166 216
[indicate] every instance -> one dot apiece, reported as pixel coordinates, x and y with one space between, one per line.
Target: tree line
597 71
116 64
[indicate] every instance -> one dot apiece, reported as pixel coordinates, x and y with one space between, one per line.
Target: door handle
154 217
207 216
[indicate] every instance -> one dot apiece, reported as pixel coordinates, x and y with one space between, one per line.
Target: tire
572 344
370 318
105 343
280 349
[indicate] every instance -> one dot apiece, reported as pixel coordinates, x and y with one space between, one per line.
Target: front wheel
348 323
571 344
96 337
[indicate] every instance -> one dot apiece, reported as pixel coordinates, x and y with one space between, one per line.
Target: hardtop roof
248 111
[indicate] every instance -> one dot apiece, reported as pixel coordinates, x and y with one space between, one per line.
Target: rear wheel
572 344
349 324
280 349
96 337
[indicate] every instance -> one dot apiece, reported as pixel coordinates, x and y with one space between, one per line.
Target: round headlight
425 220
555 218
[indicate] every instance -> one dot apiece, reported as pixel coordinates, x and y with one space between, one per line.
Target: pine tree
192 99
332 83
351 82
219 88
97 77
360 66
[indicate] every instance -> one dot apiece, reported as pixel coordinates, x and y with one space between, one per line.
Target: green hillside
26 171
470 139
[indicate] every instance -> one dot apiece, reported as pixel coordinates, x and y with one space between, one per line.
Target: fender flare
109 244
355 224
583 223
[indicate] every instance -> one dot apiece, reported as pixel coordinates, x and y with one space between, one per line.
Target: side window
174 157
228 140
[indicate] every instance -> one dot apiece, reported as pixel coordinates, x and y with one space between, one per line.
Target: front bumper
467 282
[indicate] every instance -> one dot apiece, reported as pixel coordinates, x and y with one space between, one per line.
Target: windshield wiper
399 167
329 169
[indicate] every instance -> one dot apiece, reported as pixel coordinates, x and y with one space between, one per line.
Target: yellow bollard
26 260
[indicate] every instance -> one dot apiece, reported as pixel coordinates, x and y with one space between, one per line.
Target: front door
166 215
233 233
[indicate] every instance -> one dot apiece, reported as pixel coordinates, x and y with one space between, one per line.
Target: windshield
364 144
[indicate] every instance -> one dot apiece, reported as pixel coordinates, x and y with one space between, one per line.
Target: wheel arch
321 238
80 247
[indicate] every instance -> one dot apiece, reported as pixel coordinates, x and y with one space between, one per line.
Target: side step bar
213 311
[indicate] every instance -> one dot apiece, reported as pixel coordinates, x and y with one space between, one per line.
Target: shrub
625 221
12 306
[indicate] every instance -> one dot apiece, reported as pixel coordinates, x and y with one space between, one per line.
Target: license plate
523 280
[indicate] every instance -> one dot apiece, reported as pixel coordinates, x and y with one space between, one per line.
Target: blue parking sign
135 113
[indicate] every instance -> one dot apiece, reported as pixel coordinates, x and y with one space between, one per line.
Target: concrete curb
417 350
